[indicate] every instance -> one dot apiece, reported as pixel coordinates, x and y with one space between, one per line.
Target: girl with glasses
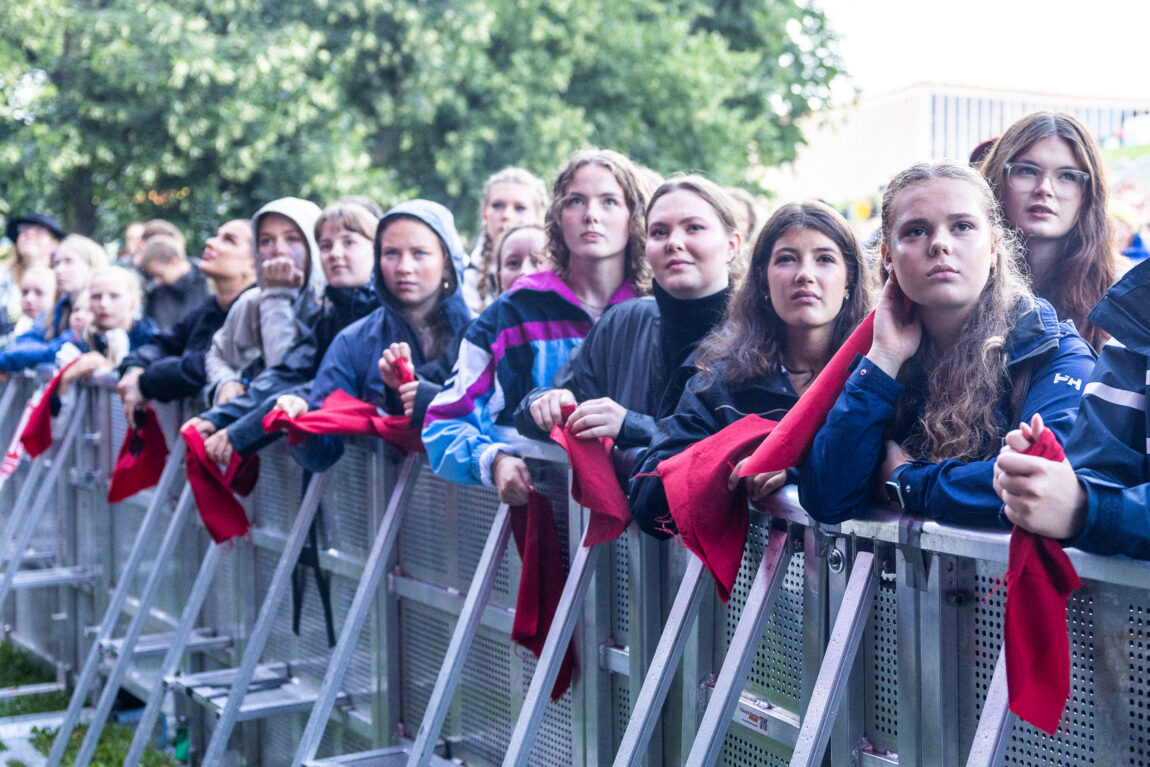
974 352
1047 175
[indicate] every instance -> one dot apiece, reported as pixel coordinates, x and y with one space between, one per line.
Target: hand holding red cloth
222 513
141 460
788 443
1039 580
540 582
37 434
713 520
342 413
593 483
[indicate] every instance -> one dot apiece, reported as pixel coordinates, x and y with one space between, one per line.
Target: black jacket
703 410
166 304
243 415
639 355
173 361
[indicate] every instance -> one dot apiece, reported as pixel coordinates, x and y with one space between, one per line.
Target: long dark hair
750 342
1089 263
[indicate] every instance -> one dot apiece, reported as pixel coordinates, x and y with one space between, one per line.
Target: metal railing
874 642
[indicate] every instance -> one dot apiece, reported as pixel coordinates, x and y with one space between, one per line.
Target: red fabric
712 521
133 473
788 444
593 483
37 435
1039 579
540 582
222 513
342 413
403 372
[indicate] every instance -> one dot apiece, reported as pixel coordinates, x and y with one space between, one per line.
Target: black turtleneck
682 325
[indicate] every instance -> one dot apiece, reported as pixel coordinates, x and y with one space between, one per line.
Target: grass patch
34 704
18 668
115 741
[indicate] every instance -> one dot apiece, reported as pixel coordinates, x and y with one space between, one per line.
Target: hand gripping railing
119 598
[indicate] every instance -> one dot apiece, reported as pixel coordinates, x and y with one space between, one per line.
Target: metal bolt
836 561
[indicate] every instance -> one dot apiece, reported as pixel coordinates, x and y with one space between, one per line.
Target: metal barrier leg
674 639
135 628
196 598
277 589
19 511
996 722
551 658
741 652
119 599
840 655
360 606
461 638
43 492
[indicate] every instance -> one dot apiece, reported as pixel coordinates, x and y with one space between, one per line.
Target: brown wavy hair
635 194
965 383
1089 263
751 340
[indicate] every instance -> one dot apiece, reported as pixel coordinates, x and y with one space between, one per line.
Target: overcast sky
1088 47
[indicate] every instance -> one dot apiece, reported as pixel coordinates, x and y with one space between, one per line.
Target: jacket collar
1122 311
549 281
1036 331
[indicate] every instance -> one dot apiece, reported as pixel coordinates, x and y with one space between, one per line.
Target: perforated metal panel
741 751
881 663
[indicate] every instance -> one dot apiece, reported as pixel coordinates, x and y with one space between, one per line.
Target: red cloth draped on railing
37 434
594 485
540 581
1039 580
222 513
141 459
711 520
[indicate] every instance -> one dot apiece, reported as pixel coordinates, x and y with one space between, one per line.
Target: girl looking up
1047 175
924 412
596 238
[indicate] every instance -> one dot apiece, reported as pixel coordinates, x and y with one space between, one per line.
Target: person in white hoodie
260 326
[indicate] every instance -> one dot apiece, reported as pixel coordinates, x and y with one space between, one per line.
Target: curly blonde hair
963 385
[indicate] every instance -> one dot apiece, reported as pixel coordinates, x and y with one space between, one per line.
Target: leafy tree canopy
200 110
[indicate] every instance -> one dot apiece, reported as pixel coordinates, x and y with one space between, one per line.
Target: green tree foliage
196 110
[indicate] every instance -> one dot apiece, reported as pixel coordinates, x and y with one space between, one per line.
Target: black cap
42 219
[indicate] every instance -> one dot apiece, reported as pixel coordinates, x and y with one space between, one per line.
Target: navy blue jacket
39 346
173 361
838 477
351 362
1108 447
243 416
706 407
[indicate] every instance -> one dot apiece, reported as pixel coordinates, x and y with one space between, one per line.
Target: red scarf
141 460
540 582
1039 579
593 483
342 413
223 515
788 443
711 520
37 435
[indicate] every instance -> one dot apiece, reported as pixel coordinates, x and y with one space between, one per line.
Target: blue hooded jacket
351 363
36 347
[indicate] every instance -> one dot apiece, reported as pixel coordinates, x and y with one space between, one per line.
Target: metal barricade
871 643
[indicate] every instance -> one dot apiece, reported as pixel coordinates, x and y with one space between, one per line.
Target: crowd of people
656 313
